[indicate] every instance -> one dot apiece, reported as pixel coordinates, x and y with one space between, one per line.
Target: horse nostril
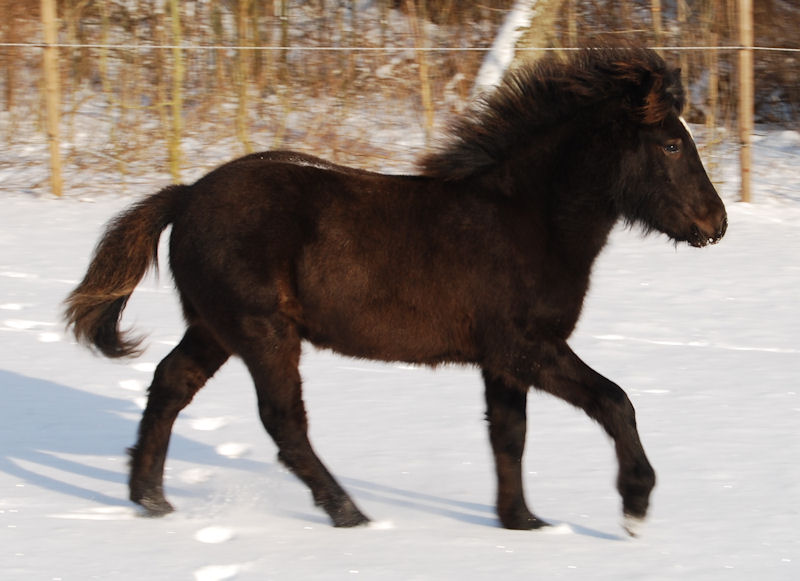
723 228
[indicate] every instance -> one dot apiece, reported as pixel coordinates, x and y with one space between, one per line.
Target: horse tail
128 248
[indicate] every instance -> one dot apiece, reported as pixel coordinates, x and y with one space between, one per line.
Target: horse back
385 267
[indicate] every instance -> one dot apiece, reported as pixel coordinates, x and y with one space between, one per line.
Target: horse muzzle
705 232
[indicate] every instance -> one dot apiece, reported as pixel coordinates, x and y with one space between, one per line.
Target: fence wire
375 49
320 92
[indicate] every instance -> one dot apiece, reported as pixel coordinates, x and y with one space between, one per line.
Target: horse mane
541 94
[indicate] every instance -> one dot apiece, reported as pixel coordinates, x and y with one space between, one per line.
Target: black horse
483 258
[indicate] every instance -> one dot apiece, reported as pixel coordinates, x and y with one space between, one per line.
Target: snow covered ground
705 342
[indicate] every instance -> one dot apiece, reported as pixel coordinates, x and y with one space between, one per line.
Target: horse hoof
633 525
525 523
348 516
357 521
154 507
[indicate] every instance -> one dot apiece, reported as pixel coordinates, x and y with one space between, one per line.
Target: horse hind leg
178 377
272 354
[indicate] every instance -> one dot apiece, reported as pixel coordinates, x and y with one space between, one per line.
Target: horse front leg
563 374
505 411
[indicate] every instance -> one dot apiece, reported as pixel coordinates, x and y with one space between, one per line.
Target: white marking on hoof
633 525
213 535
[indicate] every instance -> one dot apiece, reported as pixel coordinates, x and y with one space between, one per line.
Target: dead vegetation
154 83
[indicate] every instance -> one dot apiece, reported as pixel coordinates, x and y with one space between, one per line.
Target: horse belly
348 311
385 338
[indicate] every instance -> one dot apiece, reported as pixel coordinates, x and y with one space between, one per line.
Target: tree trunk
52 92
745 93
176 102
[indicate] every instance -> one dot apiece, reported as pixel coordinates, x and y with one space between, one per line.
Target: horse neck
568 180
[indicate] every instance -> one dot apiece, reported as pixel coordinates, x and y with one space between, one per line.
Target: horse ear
675 89
646 85
640 86
653 89
662 93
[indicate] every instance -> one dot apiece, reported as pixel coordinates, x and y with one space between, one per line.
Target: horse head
664 185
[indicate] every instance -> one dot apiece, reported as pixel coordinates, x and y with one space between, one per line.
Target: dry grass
347 104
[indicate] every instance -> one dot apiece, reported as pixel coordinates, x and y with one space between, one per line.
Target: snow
704 341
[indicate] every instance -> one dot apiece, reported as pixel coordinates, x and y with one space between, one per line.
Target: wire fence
368 88
374 49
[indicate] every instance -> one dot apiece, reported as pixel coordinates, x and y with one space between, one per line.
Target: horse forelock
539 95
664 97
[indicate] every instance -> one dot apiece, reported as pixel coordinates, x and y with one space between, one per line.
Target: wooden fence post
417 24
746 94
52 92
242 75
655 10
176 101
683 58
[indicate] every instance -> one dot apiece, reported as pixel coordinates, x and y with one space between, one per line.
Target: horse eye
672 147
